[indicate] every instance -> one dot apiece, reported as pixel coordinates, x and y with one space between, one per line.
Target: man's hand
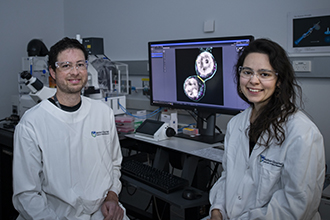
111 209
216 215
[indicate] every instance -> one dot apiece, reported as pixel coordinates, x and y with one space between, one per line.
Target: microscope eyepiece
26 75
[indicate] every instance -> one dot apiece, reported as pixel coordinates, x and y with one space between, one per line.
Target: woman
274 163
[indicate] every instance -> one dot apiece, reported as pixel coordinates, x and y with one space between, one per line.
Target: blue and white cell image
194 88
206 65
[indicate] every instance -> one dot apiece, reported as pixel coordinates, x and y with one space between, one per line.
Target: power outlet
302 66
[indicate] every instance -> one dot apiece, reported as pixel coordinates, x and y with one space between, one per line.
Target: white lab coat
281 182
65 162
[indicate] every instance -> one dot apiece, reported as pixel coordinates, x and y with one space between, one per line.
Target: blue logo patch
99 133
263 159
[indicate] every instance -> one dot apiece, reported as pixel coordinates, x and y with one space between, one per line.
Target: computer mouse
191 194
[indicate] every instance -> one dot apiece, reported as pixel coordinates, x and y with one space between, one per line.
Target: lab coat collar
246 119
258 149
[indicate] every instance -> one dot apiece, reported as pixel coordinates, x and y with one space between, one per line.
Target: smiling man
67 155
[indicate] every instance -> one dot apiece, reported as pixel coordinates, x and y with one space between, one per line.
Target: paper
211 153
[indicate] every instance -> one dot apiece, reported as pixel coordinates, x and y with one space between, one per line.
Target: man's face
70 80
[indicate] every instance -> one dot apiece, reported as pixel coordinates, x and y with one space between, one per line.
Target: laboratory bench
192 161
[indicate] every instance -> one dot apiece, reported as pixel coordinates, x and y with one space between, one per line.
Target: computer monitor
197 74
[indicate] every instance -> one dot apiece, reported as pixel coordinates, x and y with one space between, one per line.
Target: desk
199 149
193 151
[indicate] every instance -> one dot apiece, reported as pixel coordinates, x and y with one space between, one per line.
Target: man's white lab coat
65 162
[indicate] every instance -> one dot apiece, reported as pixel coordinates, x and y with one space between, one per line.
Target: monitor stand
206 127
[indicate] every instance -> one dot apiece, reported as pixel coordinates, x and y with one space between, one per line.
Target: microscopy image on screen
194 88
199 75
206 65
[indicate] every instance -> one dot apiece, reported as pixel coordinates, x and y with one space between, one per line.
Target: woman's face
257 91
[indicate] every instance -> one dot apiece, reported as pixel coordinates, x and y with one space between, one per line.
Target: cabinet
7 210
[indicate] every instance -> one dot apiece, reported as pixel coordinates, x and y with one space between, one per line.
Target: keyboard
158 179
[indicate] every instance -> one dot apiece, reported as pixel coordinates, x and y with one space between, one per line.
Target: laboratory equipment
154 130
29 95
93 45
106 78
36 48
38 92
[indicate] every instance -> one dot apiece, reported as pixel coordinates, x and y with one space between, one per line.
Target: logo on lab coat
99 133
263 159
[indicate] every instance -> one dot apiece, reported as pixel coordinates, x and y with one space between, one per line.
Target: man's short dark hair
65 43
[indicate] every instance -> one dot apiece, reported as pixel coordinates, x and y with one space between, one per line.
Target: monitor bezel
211 110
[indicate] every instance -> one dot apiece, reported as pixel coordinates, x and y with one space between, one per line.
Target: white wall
128 25
20 22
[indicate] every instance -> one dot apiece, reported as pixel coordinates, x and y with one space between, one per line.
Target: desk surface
199 149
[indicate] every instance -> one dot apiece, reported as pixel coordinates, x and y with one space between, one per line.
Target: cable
140 117
106 57
156 208
149 204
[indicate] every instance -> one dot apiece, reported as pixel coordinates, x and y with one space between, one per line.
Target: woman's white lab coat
279 182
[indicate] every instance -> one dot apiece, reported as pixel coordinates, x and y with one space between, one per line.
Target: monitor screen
196 74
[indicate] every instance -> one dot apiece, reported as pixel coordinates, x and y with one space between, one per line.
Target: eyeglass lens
262 74
66 66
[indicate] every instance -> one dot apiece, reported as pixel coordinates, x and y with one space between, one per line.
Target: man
67 155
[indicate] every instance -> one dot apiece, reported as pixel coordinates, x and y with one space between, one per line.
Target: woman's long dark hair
270 121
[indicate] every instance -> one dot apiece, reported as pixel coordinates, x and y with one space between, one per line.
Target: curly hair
282 103
65 43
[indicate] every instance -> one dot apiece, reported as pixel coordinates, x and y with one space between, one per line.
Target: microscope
38 92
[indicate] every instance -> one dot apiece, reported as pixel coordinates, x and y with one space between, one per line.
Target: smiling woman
267 143
254 86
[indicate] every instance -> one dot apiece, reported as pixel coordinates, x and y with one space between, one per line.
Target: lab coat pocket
269 182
